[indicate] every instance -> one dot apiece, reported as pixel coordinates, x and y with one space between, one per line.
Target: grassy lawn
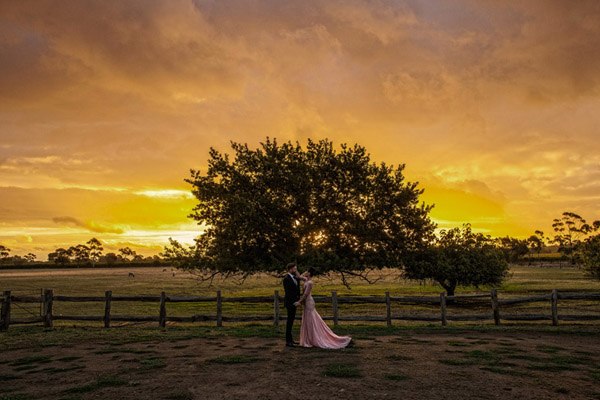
523 280
151 281
251 361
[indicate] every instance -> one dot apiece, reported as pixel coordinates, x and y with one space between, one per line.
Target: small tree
60 256
4 253
512 248
111 258
96 249
30 257
536 243
80 253
591 256
127 252
333 209
570 230
458 257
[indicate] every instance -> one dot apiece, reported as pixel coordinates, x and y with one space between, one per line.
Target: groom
291 285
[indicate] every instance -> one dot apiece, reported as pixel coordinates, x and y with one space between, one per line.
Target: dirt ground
482 365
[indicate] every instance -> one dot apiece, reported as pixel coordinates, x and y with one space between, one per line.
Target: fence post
162 315
334 307
554 307
48 302
107 305
388 309
495 308
219 309
276 308
5 320
443 308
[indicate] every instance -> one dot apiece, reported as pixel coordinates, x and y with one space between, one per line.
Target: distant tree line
89 254
574 239
7 258
92 253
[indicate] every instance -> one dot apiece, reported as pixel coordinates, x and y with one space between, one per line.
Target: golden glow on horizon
493 106
166 194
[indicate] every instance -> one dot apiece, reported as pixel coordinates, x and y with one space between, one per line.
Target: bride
314 332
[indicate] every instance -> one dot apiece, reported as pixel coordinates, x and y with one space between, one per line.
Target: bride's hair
312 271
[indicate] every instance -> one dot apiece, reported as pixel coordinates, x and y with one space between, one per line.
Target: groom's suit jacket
292 290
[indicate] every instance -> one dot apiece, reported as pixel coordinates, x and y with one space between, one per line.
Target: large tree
331 208
459 257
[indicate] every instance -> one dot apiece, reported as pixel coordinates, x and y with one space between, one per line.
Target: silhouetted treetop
333 208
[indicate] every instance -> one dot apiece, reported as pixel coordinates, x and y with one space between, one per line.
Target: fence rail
48 298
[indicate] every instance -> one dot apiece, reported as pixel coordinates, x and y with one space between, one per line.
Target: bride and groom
314 332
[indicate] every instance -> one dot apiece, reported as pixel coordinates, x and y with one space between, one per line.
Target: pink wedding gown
314 332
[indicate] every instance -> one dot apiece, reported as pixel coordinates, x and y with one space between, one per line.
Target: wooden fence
442 301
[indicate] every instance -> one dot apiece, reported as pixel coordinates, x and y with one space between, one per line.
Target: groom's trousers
291 316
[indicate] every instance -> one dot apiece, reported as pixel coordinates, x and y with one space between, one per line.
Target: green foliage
513 249
591 256
336 210
459 257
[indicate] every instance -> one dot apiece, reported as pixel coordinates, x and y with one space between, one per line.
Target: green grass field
82 360
523 280
153 280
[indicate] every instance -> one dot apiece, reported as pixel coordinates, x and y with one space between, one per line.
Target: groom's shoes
289 344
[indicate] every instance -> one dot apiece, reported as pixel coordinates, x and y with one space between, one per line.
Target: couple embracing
314 332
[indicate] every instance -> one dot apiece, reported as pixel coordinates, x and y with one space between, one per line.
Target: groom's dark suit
292 295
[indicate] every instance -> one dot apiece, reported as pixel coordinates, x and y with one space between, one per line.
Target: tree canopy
591 256
459 257
334 209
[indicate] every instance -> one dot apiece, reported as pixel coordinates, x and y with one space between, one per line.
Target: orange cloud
92 226
492 105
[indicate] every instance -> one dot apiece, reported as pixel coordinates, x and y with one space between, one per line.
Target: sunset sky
494 106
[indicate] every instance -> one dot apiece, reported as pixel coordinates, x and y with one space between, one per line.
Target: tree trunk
449 287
